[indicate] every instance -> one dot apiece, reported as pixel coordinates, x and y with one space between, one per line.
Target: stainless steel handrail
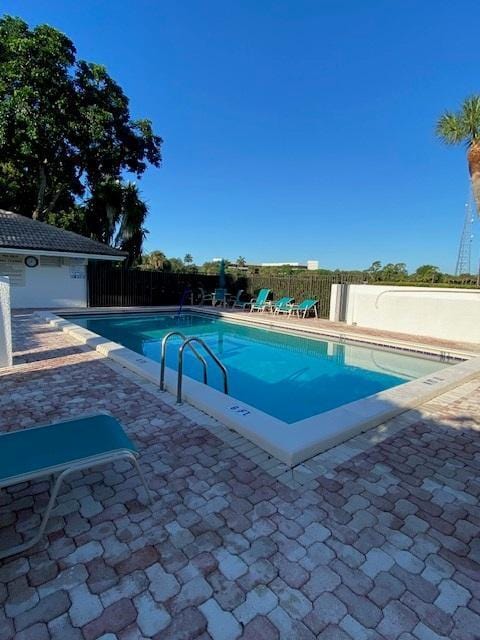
187 343
163 355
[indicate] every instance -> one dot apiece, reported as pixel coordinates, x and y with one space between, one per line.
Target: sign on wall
51 261
77 268
14 268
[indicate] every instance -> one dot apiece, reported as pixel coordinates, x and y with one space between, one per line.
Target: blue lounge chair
305 307
283 305
61 448
219 297
260 299
260 302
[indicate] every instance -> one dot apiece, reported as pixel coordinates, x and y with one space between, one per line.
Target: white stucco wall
451 314
5 324
55 282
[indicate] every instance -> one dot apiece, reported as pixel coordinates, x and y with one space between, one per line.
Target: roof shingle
19 232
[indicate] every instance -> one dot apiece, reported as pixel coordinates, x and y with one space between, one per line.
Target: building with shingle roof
47 266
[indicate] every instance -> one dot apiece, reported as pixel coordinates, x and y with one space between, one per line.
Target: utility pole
464 257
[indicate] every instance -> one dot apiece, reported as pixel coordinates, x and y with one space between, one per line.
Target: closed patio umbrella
222 280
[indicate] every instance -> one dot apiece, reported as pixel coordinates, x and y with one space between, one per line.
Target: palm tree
116 214
464 126
155 260
131 230
241 262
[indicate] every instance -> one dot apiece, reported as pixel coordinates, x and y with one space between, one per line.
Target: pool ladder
187 342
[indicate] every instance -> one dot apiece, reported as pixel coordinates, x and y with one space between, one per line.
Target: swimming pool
292 393
287 376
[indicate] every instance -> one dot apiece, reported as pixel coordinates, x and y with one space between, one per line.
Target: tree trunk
111 215
474 168
42 185
53 201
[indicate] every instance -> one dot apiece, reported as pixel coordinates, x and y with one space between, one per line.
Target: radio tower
464 258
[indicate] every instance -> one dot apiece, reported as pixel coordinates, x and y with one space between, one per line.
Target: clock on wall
31 261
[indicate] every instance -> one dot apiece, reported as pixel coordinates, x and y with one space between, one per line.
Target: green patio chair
260 299
219 298
62 448
260 302
283 305
305 307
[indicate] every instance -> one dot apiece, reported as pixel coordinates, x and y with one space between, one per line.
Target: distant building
283 264
310 265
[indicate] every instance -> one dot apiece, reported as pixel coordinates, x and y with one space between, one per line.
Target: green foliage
176 265
72 220
396 271
67 139
156 261
374 271
427 273
210 267
281 270
461 126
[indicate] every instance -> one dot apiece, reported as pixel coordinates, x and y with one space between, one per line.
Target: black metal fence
110 286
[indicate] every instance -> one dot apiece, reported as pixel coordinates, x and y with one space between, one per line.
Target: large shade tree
69 147
463 126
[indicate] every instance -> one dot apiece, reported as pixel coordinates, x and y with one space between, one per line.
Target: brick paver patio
384 546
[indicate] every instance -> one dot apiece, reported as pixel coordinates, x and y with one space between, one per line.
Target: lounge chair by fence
304 308
260 302
283 305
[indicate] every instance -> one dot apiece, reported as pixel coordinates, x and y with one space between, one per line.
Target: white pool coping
295 442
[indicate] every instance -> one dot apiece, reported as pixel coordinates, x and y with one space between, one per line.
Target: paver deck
384 545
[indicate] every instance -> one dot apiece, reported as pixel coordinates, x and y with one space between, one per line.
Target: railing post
163 355
217 361
180 374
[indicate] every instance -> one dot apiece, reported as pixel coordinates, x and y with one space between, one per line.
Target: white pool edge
290 443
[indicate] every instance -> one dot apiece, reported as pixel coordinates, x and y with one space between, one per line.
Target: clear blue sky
293 129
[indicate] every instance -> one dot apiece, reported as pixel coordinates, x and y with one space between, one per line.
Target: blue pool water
288 376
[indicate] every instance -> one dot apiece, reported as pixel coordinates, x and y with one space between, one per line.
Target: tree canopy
463 126
427 273
68 143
